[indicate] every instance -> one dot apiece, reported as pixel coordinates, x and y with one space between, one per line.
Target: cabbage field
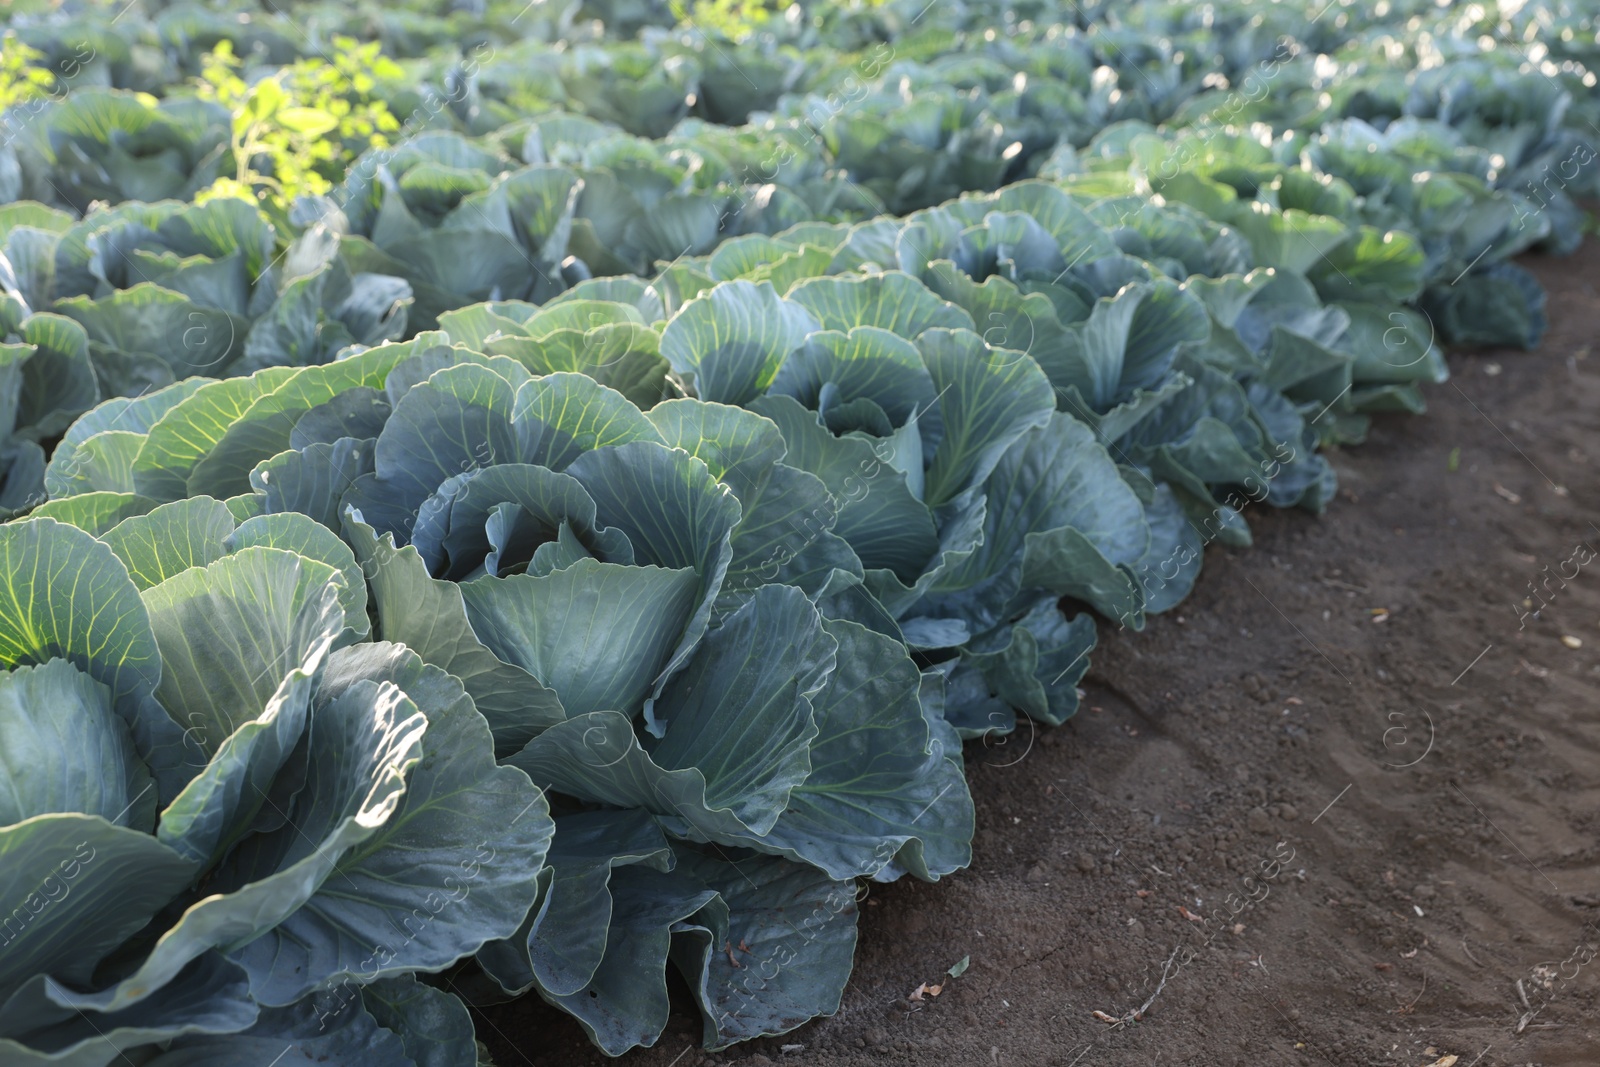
510 499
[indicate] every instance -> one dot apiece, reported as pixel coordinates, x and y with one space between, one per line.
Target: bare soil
1358 697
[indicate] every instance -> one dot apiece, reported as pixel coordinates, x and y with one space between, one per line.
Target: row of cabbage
1169 60
142 294
722 648
912 121
1045 76
1475 158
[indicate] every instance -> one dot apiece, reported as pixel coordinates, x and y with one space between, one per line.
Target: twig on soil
1410 1007
1527 1016
1167 971
1468 951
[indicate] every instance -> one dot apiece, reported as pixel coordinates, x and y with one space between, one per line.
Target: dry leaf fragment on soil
1444 1061
956 970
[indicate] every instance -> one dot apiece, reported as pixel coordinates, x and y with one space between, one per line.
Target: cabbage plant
46 380
113 146
234 823
455 220
165 290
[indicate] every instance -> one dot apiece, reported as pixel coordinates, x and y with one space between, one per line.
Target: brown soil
1435 768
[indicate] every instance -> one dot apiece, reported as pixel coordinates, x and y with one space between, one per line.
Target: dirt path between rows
1356 704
